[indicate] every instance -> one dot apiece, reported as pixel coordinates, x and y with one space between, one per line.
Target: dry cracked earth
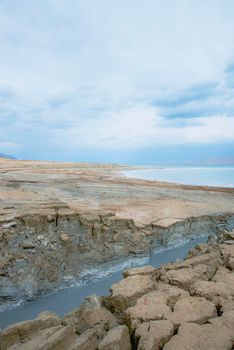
185 305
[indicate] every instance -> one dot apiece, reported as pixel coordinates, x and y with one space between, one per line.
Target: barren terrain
59 219
29 185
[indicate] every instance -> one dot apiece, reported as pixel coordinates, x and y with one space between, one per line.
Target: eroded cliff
40 251
183 305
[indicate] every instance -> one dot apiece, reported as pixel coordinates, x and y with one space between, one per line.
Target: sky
138 82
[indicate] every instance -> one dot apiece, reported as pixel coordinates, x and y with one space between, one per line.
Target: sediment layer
41 251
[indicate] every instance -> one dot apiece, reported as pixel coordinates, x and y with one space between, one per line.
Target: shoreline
151 173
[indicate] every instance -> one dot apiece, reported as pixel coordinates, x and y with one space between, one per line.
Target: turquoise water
204 176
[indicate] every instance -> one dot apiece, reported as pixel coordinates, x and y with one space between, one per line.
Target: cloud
141 127
107 75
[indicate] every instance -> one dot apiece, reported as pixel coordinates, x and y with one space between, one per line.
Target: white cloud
54 46
140 127
102 74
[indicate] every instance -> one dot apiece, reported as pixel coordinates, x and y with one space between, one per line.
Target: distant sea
222 176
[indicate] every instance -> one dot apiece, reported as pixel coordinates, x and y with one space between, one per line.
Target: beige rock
54 338
212 259
64 237
212 290
224 303
86 341
27 244
99 316
227 251
185 277
192 309
126 292
59 340
173 293
116 339
143 270
153 335
22 331
230 263
38 341
225 276
40 237
200 249
90 314
151 306
216 335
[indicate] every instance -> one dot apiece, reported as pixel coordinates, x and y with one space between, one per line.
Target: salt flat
84 187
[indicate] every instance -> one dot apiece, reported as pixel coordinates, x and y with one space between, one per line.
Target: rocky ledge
180 306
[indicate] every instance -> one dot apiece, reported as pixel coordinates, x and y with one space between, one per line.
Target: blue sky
117 81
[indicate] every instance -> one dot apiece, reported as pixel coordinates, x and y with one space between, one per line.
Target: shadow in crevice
134 342
219 310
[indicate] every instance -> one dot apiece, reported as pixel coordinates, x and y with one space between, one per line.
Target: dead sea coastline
59 219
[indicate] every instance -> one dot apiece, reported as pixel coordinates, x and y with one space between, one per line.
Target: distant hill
2 155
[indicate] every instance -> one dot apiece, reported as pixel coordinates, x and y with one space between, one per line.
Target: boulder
27 244
59 340
39 340
216 335
64 237
224 304
192 309
143 270
200 249
173 293
126 292
212 291
212 259
227 252
185 277
89 315
230 263
22 331
225 276
116 339
86 341
153 335
151 306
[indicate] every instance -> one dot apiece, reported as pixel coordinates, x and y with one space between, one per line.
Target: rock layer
154 314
